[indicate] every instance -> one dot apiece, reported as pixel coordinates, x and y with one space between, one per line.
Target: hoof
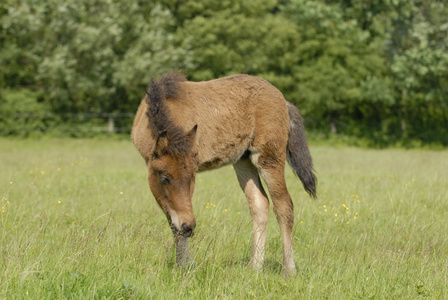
186 265
289 273
255 265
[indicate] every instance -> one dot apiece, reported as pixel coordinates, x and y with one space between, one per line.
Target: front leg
183 255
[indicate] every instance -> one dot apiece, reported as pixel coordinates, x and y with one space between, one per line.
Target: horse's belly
226 155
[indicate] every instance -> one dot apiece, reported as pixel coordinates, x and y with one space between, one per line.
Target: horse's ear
161 143
193 135
162 134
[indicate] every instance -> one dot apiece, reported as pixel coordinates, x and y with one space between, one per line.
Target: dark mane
160 121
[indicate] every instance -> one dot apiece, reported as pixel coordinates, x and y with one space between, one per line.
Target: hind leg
258 202
272 165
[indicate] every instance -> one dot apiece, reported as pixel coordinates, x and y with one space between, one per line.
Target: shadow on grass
269 265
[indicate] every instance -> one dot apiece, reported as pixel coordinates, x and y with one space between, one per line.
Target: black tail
298 154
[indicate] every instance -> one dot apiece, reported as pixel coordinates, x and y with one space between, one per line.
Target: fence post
111 125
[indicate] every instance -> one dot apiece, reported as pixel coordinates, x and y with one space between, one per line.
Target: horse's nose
187 230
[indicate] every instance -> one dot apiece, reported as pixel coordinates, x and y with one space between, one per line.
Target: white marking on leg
260 216
258 203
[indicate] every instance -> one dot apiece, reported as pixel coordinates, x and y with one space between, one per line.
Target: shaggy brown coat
184 127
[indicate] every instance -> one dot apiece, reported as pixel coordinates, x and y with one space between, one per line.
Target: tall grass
78 221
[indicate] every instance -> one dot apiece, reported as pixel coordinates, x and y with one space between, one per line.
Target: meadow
78 221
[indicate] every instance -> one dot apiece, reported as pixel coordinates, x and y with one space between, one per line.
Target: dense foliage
375 69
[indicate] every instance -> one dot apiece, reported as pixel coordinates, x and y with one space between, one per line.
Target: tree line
372 69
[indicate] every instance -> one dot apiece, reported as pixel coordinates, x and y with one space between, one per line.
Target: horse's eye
164 179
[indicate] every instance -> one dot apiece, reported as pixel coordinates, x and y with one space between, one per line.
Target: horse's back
240 99
233 114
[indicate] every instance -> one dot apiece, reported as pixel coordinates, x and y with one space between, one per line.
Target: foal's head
172 170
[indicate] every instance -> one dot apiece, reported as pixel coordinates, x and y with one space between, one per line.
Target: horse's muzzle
186 230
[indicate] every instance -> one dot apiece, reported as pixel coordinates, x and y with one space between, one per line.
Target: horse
183 127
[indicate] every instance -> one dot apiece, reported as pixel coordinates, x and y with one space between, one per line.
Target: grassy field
78 222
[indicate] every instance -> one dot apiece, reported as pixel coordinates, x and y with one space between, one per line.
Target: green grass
78 221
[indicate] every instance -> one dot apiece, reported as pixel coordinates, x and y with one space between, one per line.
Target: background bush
376 70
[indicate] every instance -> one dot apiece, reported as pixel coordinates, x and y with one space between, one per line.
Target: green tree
20 43
337 71
87 56
419 64
366 68
229 37
412 37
